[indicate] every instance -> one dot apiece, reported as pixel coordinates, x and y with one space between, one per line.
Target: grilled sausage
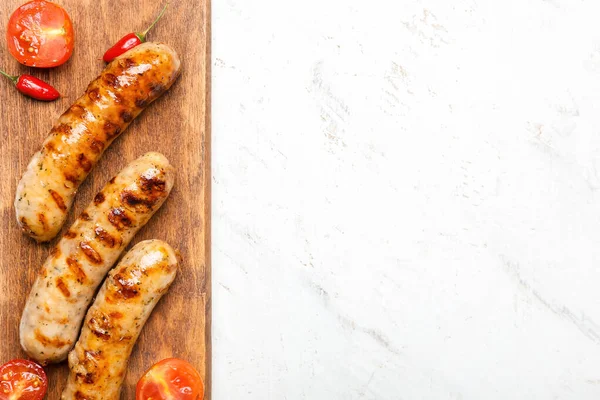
76 143
112 325
71 274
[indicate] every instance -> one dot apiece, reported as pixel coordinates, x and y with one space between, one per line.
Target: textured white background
406 199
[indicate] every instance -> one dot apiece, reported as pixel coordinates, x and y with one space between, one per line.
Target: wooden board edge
208 197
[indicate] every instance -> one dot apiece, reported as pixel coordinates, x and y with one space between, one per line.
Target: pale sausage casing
98 362
71 274
78 139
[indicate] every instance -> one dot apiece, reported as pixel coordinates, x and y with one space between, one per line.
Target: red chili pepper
33 87
130 40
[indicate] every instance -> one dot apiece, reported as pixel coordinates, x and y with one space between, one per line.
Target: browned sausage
77 141
76 267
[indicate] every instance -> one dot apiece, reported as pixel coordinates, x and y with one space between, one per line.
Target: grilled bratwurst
98 362
75 144
70 276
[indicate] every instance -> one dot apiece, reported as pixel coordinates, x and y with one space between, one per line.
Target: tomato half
22 380
40 34
170 379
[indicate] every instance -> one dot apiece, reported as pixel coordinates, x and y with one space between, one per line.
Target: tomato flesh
22 380
40 34
170 379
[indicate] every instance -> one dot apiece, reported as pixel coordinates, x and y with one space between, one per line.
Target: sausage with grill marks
78 139
98 362
75 268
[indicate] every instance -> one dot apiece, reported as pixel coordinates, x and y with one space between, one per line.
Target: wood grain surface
178 125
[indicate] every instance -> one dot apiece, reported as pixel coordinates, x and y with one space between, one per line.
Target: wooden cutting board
178 125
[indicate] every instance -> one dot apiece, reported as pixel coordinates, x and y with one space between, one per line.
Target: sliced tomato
40 34
22 380
170 379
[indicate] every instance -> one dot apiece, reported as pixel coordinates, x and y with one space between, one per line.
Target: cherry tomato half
22 380
40 34
170 379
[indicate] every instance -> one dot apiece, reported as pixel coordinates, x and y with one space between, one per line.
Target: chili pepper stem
13 78
142 35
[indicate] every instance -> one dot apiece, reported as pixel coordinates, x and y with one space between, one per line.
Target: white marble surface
406 199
